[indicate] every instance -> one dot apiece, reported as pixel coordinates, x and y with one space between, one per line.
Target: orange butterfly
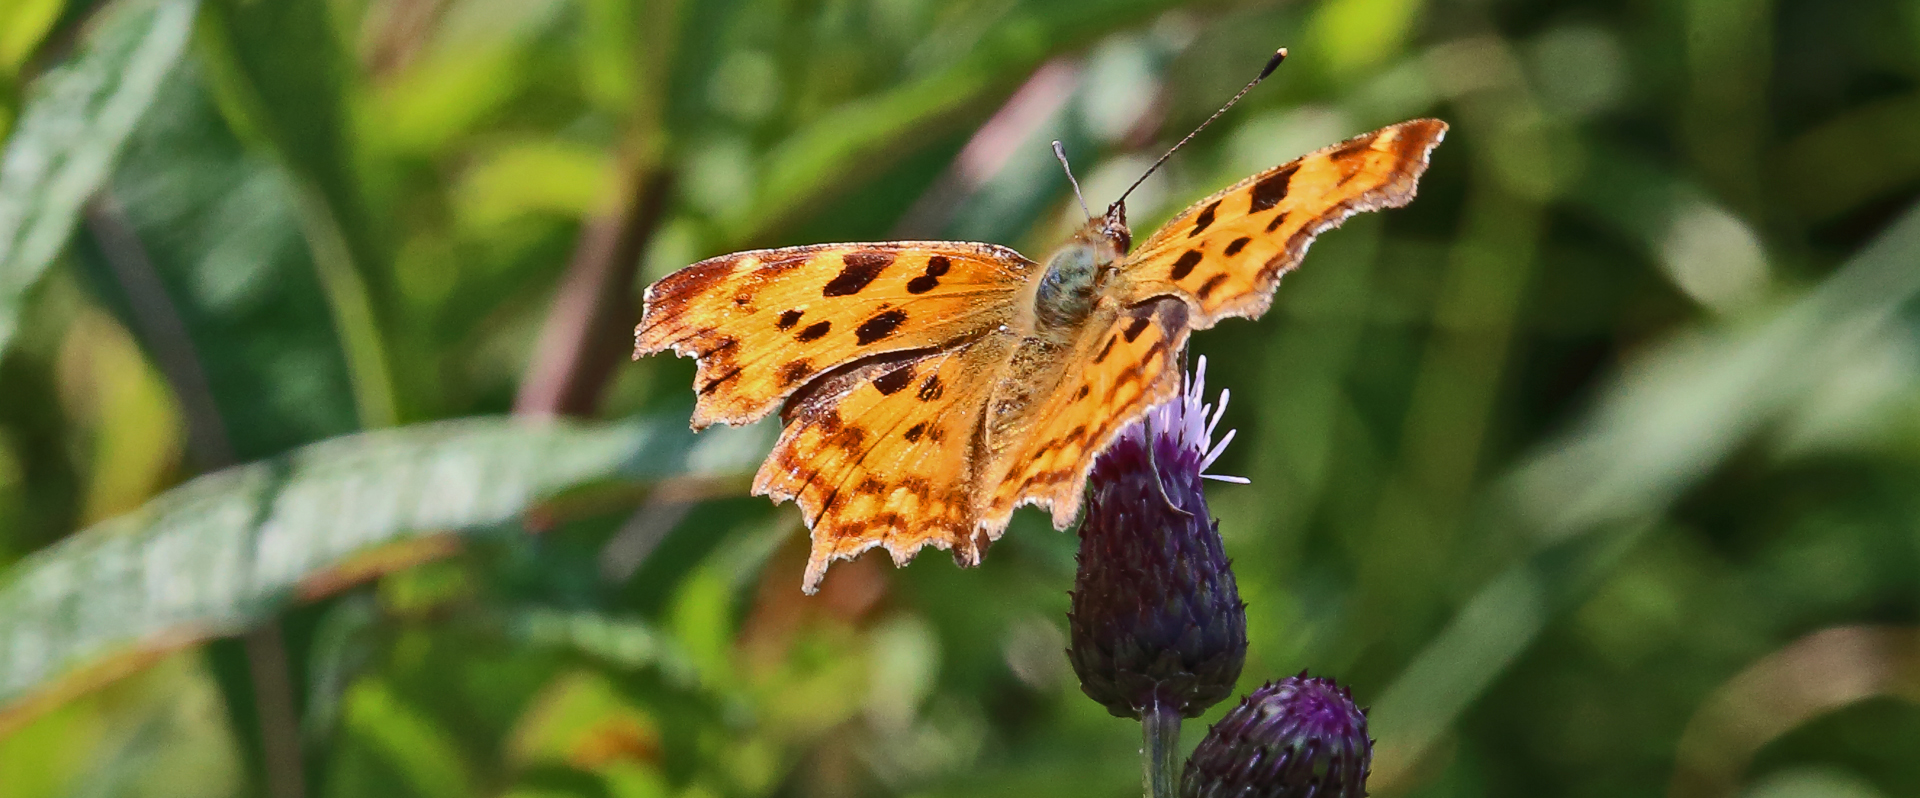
929 388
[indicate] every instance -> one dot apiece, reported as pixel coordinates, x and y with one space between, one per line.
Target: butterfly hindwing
1124 361
1226 253
886 453
764 323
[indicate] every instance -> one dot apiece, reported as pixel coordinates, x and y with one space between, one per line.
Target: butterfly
927 389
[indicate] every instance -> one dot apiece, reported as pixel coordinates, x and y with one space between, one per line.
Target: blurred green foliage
1594 471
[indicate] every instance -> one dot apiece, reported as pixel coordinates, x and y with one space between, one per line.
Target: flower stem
1160 758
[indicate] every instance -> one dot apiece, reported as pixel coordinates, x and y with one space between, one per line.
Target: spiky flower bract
1299 737
1157 618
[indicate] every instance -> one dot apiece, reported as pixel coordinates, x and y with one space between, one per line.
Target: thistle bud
1156 618
1295 738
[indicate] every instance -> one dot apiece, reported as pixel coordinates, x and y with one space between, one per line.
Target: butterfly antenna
1272 64
1061 153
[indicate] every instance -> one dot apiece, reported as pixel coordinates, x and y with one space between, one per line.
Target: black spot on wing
1234 246
891 382
1204 220
788 319
1271 189
937 266
880 326
813 332
1184 266
1278 219
1208 287
794 372
914 432
931 389
1139 325
1105 350
861 268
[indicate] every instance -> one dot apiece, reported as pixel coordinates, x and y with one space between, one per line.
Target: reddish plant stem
987 152
159 323
272 678
588 330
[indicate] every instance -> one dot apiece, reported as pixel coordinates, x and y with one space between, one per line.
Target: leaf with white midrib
70 132
225 551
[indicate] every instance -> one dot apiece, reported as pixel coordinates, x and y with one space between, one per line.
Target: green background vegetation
1595 472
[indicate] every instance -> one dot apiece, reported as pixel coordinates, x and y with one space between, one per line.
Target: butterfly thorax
1074 272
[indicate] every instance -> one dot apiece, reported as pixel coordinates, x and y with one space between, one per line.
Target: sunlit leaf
1358 33
521 178
422 754
228 550
22 24
70 132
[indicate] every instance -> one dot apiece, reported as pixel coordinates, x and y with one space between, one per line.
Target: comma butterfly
929 388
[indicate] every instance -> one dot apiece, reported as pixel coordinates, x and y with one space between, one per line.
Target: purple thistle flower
1157 624
1296 738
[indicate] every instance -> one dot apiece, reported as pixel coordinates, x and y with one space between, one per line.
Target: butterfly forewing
764 323
1226 254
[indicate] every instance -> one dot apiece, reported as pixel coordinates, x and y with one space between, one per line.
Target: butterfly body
1066 288
928 389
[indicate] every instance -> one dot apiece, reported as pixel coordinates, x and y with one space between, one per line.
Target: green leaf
227 551
282 74
421 754
284 68
220 227
70 133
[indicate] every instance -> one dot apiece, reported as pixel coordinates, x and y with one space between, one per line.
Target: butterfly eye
1114 227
